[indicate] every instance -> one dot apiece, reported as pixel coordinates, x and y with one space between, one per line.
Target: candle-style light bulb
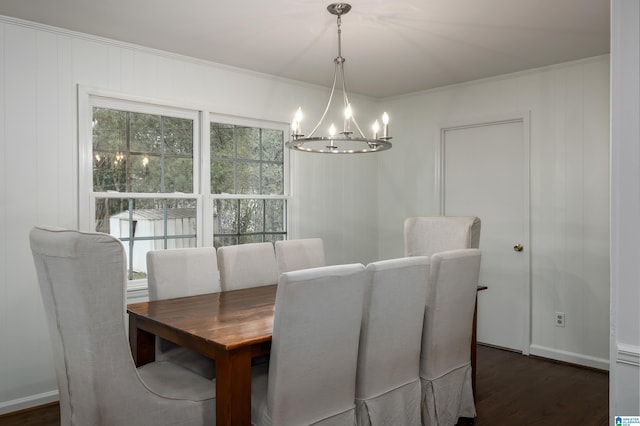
296 126
385 121
376 127
332 130
348 113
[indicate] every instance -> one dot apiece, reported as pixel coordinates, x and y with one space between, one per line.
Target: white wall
624 376
569 159
40 68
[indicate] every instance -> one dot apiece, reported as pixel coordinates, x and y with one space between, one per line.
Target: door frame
469 122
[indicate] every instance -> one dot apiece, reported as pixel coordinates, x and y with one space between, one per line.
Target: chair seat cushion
191 360
172 381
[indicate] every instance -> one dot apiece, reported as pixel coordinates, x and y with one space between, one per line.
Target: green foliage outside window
247 161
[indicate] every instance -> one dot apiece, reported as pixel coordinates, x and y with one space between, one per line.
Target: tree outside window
146 173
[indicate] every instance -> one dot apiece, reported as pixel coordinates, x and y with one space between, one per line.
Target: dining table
230 327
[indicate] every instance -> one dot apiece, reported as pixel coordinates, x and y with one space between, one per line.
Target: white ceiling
391 48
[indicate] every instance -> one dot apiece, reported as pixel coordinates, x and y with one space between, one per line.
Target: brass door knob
518 247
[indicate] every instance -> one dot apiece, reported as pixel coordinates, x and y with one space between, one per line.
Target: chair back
445 361
314 351
179 273
388 381
247 265
82 279
426 235
448 323
292 255
182 272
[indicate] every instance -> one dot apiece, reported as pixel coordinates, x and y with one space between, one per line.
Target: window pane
248 181
248 141
272 145
178 175
272 178
275 215
178 137
147 224
225 217
272 238
222 141
222 177
248 239
145 132
225 241
251 216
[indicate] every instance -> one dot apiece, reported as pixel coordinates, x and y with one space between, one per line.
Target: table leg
143 344
474 348
233 388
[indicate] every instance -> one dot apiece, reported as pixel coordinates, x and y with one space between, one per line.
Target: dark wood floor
512 390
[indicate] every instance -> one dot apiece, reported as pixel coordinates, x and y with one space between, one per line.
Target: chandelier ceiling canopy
351 139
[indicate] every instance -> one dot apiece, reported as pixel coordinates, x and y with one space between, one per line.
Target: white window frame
89 97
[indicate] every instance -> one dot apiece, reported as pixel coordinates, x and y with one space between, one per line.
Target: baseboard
628 354
570 357
28 402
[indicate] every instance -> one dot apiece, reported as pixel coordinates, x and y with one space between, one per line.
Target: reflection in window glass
134 152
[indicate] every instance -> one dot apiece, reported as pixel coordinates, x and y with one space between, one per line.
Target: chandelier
351 140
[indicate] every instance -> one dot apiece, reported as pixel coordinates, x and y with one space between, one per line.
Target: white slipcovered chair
182 272
388 390
179 273
304 253
426 235
247 265
311 375
445 362
82 278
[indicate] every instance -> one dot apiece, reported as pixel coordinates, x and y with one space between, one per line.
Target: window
148 179
247 164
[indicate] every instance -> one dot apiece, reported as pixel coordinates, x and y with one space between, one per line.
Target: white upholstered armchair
426 235
82 278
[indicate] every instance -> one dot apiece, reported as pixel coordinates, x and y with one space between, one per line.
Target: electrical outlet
559 319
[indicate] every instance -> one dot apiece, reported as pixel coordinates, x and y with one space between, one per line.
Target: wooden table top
229 319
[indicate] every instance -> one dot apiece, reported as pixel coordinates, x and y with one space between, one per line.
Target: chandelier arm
346 100
333 89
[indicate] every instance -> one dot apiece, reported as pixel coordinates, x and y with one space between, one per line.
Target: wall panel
569 170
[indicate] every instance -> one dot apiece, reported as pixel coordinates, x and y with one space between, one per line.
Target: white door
484 172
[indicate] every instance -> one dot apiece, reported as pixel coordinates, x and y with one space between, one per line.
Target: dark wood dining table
231 327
